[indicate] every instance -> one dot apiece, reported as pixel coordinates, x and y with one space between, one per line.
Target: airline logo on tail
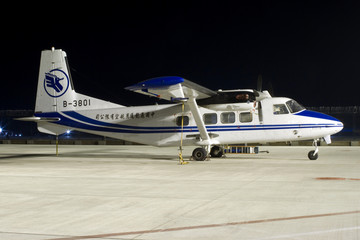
56 83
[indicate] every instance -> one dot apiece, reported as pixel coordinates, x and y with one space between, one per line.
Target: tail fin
55 91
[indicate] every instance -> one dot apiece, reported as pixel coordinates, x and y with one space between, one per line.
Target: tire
199 154
313 156
216 152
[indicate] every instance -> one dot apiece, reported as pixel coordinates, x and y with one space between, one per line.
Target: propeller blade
270 88
259 83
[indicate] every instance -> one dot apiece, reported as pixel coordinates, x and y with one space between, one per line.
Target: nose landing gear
313 155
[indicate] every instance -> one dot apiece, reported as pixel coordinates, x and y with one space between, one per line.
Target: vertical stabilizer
55 90
54 83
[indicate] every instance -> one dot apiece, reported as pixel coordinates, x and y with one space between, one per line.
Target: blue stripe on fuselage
76 120
308 113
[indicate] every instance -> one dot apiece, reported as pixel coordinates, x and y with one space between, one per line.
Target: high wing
179 89
171 88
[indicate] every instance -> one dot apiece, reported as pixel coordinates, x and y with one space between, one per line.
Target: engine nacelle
234 100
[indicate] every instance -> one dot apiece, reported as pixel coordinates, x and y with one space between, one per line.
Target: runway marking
330 178
204 226
337 178
310 233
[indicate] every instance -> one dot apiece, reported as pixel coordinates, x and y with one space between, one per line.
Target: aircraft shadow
24 155
120 156
92 155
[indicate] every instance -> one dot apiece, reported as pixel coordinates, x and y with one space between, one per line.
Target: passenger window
210 118
280 109
227 117
245 117
186 121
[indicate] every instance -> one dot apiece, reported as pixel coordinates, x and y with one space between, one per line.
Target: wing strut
199 121
181 159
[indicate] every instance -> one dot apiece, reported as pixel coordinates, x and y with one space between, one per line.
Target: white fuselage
160 125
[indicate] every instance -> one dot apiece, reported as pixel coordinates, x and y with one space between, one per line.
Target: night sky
304 50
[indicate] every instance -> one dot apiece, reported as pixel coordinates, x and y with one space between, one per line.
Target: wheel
313 156
199 154
216 152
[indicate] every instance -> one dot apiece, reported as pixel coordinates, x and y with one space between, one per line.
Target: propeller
270 88
259 83
269 85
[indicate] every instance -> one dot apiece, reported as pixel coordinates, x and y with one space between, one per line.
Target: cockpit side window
280 109
294 106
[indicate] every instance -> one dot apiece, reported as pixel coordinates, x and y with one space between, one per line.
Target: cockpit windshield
294 106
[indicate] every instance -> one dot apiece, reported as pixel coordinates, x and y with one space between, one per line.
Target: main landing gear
216 152
313 154
200 154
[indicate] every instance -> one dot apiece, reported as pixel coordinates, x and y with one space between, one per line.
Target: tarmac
142 192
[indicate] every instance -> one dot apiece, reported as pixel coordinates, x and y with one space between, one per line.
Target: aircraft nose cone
335 124
330 122
339 125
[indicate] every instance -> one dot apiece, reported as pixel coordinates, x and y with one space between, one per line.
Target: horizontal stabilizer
38 119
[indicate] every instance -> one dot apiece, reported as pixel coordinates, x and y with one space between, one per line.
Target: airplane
195 116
